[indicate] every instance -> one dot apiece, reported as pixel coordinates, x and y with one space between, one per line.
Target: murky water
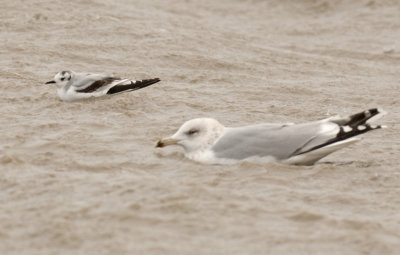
85 178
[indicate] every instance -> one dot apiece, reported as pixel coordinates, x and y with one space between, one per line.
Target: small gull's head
61 79
195 135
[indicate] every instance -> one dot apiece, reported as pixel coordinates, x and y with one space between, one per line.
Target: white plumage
208 141
72 86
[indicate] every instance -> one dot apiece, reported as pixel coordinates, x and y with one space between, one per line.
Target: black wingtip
362 117
133 86
354 125
151 81
144 83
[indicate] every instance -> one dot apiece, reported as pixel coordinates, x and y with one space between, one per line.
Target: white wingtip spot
361 127
347 129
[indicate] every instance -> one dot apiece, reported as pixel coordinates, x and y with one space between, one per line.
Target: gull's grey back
86 79
278 140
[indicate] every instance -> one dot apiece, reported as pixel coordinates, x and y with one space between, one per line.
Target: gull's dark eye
62 78
192 131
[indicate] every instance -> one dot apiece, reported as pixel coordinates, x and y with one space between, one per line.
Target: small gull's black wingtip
50 82
134 85
150 81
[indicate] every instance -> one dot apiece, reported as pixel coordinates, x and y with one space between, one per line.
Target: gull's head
195 135
61 79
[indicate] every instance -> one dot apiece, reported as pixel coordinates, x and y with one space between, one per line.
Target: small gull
207 141
72 86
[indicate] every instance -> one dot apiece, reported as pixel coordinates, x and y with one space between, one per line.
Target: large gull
207 141
72 86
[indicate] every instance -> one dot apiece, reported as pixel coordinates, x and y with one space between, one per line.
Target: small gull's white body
72 86
206 140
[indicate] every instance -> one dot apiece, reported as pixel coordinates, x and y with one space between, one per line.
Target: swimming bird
208 141
72 86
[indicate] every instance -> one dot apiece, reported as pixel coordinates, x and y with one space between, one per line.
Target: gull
206 140
72 86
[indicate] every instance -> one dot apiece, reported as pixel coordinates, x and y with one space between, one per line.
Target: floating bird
72 86
206 140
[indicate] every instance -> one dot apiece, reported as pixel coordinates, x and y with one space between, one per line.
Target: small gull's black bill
50 82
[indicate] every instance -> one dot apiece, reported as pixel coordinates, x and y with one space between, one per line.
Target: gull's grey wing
97 85
85 80
280 141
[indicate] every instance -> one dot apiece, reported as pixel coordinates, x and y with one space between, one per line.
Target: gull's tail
349 128
133 85
360 119
354 125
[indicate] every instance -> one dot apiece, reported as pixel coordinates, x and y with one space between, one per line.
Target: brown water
84 178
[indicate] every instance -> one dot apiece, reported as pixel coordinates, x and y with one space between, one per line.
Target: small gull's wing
101 85
131 85
84 80
88 83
